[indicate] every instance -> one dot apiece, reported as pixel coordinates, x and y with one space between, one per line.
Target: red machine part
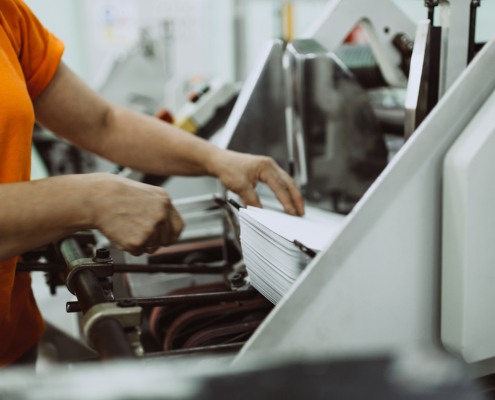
190 326
205 322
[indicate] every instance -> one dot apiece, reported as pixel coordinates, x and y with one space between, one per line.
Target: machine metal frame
378 284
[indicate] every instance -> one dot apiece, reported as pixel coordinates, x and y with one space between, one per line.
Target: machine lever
235 204
306 250
136 268
163 301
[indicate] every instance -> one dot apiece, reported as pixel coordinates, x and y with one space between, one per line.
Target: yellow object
288 21
186 124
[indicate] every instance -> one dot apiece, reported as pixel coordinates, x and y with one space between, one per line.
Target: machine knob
238 280
102 255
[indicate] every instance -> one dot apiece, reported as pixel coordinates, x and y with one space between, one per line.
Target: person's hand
240 173
135 217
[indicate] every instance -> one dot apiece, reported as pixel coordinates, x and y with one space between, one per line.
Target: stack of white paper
272 259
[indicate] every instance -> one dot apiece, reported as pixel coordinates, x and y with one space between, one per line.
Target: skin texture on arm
28 226
69 108
134 216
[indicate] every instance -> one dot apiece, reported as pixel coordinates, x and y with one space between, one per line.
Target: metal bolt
237 280
431 3
126 303
102 255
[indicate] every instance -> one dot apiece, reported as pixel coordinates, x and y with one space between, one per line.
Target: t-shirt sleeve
38 50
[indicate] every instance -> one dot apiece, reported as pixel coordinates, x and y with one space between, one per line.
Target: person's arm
72 110
134 216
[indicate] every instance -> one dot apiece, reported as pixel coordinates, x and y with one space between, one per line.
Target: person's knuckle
134 243
115 187
148 231
160 215
163 195
267 161
180 224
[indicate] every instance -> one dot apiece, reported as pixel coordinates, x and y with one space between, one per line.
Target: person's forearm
69 108
36 213
135 217
150 145
72 110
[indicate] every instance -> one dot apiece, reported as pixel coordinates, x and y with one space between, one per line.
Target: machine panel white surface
382 20
468 270
377 286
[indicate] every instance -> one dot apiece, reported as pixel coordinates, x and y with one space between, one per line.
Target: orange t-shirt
29 57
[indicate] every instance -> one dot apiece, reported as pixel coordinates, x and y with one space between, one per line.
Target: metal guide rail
112 326
103 327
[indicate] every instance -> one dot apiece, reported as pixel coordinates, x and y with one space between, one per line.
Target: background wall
63 18
205 45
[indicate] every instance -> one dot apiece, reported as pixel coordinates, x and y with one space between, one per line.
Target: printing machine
410 267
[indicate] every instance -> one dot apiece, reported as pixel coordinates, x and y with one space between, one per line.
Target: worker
36 86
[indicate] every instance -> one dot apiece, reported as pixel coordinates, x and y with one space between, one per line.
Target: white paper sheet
272 260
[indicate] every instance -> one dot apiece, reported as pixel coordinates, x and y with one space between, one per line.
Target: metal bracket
128 317
101 269
306 250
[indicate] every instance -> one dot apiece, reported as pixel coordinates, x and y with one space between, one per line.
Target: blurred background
204 41
185 62
152 54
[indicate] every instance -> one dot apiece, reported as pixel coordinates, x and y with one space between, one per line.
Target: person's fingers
249 197
176 223
153 243
136 240
281 190
171 227
166 234
296 195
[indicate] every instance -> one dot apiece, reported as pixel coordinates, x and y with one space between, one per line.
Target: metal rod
88 290
107 335
221 348
472 30
431 14
163 301
110 340
434 67
172 268
70 250
135 268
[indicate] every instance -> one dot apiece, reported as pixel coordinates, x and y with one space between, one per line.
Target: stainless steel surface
377 286
417 87
454 20
193 198
382 20
257 122
338 146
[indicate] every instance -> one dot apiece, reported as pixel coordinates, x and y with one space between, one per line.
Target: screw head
126 303
237 280
102 253
102 256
